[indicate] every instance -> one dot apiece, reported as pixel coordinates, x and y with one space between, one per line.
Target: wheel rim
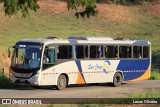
61 83
118 79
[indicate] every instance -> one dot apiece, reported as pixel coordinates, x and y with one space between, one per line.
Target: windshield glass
27 56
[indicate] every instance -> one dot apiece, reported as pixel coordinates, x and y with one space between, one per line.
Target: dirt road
82 91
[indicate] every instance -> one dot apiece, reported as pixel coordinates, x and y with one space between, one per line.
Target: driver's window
48 57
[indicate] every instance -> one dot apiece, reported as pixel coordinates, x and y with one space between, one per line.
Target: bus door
48 63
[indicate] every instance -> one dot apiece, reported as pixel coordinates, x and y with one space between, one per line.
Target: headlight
35 76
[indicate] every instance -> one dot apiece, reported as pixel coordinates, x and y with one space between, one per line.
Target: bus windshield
27 56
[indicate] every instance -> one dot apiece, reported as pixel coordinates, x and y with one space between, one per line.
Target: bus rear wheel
61 83
117 79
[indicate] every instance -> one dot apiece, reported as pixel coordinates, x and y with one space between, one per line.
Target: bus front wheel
117 79
61 83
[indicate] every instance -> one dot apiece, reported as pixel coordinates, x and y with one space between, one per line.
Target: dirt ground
106 10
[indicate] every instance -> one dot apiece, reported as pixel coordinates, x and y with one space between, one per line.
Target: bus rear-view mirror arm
9 52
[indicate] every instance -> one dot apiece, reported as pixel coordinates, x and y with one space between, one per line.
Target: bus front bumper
29 81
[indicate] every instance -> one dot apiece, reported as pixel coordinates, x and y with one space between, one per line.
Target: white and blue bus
79 60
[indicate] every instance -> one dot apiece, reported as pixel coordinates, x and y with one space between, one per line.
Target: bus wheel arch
62 81
117 78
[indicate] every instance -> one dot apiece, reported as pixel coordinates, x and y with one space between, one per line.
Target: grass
154 93
155 74
47 105
1 72
5 83
45 22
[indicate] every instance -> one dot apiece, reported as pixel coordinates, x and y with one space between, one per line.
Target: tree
89 7
11 7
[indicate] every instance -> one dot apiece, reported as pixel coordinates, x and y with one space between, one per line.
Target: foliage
6 83
155 74
156 57
11 7
146 94
1 72
84 8
139 25
90 7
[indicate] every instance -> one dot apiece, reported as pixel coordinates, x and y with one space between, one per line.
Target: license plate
22 80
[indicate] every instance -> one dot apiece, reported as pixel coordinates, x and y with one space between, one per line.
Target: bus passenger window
125 52
112 52
86 52
81 52
93 52
96 51
116 52
137 52
105 51
64 52
100 51
145 52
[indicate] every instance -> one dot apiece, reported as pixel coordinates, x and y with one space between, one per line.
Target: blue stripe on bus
78 63
73 41
134 67
140 42
74 51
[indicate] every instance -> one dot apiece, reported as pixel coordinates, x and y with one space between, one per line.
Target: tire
61 83
117 79
36 87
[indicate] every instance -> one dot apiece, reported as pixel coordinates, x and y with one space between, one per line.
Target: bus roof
85 40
